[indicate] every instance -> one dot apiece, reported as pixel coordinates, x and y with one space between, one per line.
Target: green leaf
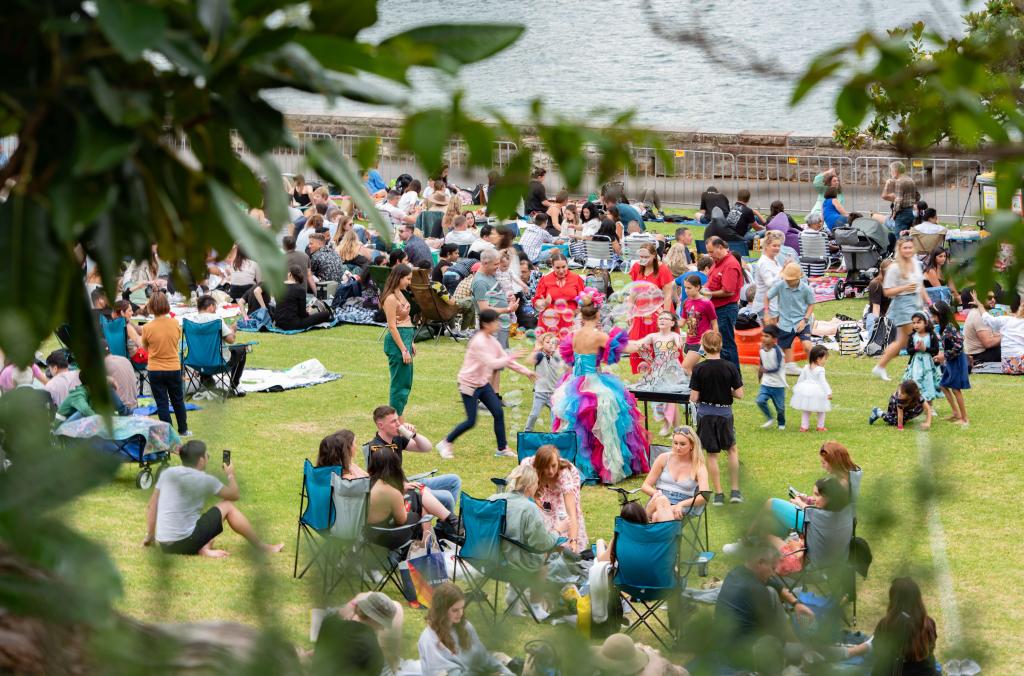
814 75
448 46
368 152
260 124
185 53
325 158
258 242
345 19
852 104
215 16
275 204
348 56
99 146
426 134
509 190
106 97
480 139
131 26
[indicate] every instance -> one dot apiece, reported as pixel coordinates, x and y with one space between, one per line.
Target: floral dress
551 500
922 369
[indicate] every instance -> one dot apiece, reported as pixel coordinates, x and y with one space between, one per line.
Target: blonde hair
675 258
522 479
453 209
774 236
698 459
350 246
711 341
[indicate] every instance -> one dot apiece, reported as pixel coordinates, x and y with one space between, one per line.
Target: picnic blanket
159 435
260 320
824 288
990 368
147 407
306 374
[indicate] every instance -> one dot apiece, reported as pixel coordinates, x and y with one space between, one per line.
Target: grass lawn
271 434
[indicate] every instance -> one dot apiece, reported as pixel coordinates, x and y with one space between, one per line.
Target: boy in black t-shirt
714 385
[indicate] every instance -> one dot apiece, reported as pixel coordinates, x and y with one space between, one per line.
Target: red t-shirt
698 314
548 286
662 277
726 274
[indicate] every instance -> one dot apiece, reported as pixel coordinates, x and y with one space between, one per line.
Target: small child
812 392
549 368
923 347
955 372
905 404
773 378
698 315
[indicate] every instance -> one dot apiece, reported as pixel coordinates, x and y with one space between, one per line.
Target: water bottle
702 564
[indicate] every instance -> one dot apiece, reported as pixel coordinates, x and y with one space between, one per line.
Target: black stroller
863 243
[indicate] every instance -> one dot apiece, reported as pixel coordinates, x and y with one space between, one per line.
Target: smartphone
227 457
793 492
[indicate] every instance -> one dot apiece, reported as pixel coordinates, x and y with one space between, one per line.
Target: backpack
883 334
600 280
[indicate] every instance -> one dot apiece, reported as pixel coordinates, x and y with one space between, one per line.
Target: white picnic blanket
305 374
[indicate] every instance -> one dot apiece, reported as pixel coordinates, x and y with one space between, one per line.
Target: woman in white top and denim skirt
904 283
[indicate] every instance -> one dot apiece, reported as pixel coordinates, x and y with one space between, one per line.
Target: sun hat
378 607
439 198
619 655
791 272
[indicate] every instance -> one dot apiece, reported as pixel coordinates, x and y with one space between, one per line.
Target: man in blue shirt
796 307
627 213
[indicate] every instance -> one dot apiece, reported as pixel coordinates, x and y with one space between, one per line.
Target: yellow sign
916 164
680 153
791 160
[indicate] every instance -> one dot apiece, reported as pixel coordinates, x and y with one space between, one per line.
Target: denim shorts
786 338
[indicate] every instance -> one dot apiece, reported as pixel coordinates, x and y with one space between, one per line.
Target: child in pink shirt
484 357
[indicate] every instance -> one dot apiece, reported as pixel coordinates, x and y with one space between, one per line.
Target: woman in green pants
398 343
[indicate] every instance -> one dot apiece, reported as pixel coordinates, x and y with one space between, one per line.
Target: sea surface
593 54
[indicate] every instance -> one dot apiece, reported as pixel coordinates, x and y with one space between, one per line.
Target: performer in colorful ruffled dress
613 443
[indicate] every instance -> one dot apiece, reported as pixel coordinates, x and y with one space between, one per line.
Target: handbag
422 570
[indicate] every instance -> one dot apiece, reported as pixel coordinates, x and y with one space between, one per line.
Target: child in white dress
812 393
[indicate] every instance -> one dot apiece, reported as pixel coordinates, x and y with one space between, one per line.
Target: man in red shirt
725 279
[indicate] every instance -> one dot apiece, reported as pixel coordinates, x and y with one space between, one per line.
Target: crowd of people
489 275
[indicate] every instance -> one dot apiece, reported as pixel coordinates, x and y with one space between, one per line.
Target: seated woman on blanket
291 312
394 501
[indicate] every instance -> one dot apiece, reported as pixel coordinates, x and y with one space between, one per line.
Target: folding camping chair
434 312
646 573
480 558
599 253
739 247
316 513
414 477
527 444
115 332
828 569
202 355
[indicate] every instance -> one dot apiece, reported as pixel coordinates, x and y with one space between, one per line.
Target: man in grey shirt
488 295
173 518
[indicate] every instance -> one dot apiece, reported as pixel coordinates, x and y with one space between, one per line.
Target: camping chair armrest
422 475
528 549
499 482
624 495
381 529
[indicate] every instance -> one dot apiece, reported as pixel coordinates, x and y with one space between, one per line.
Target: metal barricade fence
788 178
946 184
681 181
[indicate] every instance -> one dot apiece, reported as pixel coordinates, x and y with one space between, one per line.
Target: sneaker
718 500
880 372
768 424
782 428
185 435
735 497
876 413
822 429
792 369
505 453
803 429
445 450
732 548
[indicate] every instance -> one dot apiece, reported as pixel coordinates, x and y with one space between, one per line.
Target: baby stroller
862 244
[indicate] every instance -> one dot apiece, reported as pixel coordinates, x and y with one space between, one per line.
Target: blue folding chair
316 513
702 247
115 332
479 555
527 444
202 355
739 247
646 572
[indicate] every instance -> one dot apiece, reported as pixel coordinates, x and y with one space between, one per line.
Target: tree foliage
918 88
98 92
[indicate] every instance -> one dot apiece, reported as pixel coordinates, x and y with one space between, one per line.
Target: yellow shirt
162 337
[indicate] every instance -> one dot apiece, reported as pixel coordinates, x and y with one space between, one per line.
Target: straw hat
438 198
377 607
791 272
619 655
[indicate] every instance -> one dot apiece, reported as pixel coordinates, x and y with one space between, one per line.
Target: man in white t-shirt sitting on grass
175 517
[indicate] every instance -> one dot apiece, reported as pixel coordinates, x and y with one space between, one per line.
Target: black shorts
209 526
716 433
691 348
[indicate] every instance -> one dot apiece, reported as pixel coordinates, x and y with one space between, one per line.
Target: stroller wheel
144 479
840 289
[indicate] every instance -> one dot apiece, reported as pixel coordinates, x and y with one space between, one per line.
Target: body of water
580 56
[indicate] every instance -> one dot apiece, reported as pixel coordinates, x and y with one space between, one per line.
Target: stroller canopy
876 233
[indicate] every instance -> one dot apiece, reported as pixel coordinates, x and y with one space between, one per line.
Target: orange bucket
748 344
